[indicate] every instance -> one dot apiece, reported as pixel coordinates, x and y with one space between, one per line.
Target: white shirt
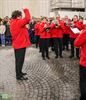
2 29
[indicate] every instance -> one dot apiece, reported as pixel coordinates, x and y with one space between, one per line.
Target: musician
80 42
73 36
57 35
20 40
45 36
37 32
65 24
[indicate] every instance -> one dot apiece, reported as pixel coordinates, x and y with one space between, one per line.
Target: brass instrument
47 28
56 23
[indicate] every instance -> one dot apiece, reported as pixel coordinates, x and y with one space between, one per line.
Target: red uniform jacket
37 29
43 33
64 27
81 43
78 25
56 32
19 32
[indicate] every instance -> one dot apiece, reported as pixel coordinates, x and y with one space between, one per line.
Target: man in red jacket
57 35
80 42
65 24
20 39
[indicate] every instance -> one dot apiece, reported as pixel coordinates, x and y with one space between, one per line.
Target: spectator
8 34
32 31
2 34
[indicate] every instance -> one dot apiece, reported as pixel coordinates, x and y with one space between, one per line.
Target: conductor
20 40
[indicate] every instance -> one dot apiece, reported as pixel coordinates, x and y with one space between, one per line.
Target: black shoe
71 56
52 49
43 58
23 73
56 57
47 57
22 78
40 51
36 46
78 57
67 49
61 56
63 48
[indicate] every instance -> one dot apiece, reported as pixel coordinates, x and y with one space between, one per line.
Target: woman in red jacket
20 39
73 36
80 42
45 36
37 32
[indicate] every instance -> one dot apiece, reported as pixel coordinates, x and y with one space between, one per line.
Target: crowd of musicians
54 32
57 34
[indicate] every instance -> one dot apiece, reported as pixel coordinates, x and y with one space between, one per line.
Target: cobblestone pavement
54 79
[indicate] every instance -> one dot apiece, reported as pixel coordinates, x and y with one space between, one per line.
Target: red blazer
19 32
37 29
56 32
64 27
79 25
43 33
81 43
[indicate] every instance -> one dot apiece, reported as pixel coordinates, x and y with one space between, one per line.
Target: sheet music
75 30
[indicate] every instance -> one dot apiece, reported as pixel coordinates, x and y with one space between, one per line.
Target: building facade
78 5
37 7
69 7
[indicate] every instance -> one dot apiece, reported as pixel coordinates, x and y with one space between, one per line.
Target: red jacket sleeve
42 29
81 39
26 19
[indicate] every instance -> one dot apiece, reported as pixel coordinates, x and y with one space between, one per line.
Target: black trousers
73 48
83 82
19 60
45 47
58 46
40 46
37 41
52 44
66 41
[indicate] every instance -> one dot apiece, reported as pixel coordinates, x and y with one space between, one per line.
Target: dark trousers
52 44
19 60
66 41
58 46
73 49
83 82
45 47
37 41
40 46
8 40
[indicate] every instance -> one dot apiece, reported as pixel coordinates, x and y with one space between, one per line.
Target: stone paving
54 79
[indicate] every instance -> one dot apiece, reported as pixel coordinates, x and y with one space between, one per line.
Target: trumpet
47 28
56 23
